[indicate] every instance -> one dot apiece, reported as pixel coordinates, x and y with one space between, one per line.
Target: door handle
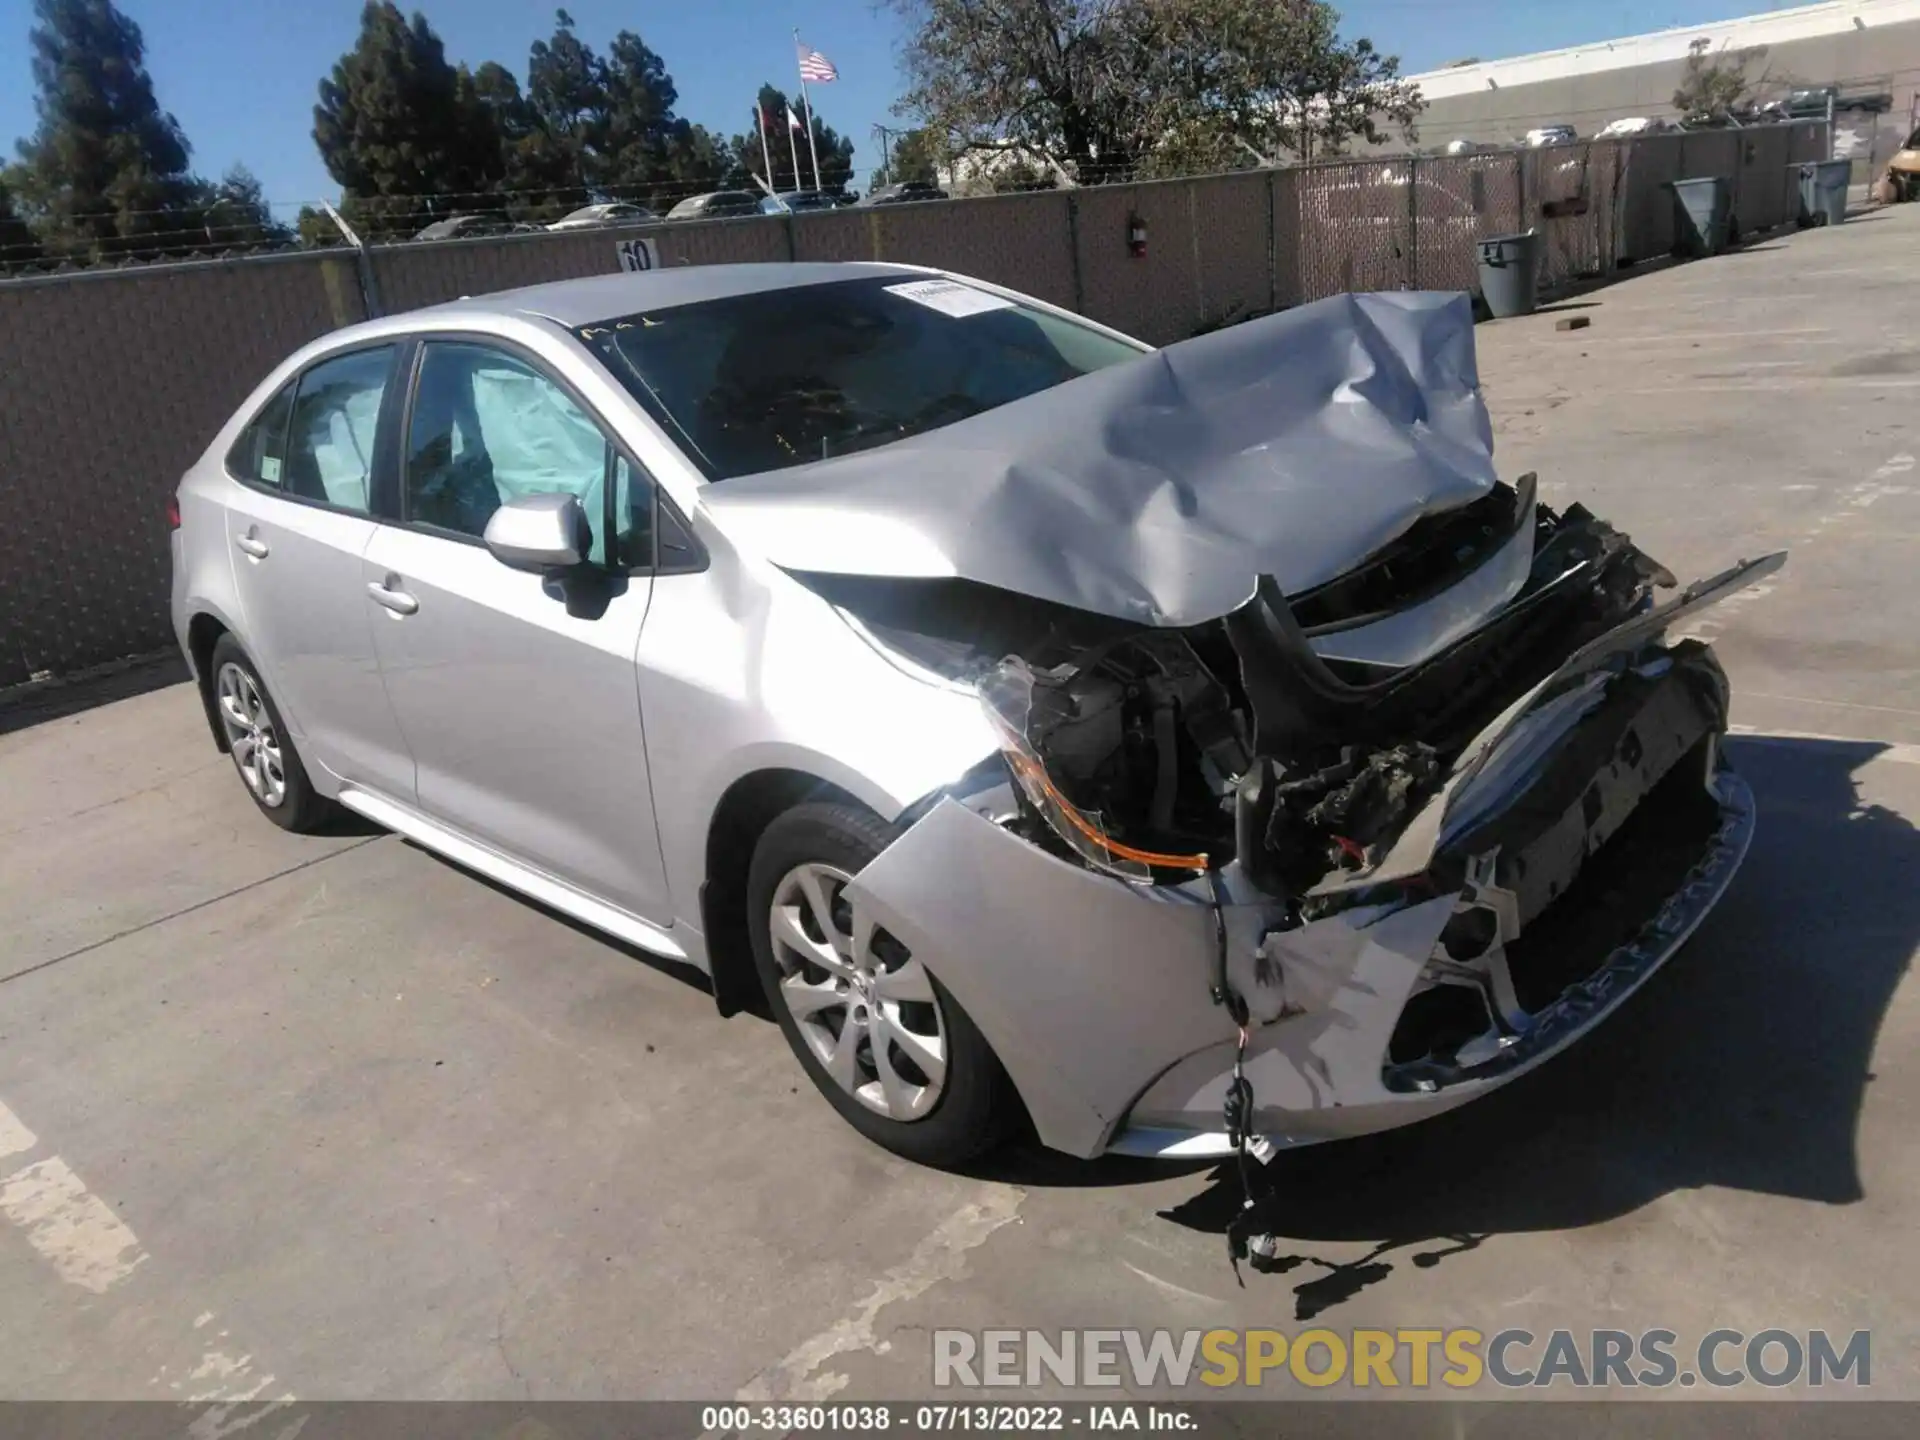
396 600
252 544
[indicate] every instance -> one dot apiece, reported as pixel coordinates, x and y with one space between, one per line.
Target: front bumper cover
1094 992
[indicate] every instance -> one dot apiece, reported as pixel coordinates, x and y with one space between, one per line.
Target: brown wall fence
111 381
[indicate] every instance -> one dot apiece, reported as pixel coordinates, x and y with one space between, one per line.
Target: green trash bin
1702 215
1823 192
1510 274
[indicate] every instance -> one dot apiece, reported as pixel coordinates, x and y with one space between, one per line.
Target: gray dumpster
1823 191
1509 274
1702 215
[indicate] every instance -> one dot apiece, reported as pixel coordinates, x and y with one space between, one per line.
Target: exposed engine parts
1150 753
1289 830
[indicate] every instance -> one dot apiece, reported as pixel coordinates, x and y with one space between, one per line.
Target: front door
297 525
516 692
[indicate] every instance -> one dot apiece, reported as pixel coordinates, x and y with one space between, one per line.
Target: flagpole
813 146
760 124
793 149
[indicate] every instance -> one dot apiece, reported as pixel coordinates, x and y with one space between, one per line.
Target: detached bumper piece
1574 895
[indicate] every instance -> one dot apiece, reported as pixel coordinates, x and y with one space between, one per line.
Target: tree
637 126
1113 88
567 93
1057 75
1020 174
1229 79
105 171
406 135
18 245
697 160
643 151
234 214
1712 84
836 151
316 229
538 177
916 155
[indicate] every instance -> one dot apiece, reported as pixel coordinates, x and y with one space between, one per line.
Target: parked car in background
903 192
1551 135
1369 215
608 212
825 628
462 227
1901 182
789 202
1631 125
715 205
1463 147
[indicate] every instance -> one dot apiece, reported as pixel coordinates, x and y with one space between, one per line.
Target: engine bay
1157 754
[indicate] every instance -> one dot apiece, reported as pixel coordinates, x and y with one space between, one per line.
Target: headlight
1007 697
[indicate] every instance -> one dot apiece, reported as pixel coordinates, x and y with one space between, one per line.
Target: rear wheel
877 1034
257 739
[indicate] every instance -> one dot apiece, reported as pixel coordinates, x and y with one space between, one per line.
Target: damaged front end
1338 779
1404 882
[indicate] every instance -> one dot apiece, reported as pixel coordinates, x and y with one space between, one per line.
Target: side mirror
541 533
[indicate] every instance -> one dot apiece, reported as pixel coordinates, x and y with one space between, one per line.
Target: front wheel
876 1032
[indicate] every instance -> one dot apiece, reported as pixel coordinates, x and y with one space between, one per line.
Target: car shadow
22 706
1742 1065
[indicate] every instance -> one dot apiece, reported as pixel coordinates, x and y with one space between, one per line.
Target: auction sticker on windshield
949 297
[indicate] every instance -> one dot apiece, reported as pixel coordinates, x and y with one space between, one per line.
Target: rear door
516 692
298 521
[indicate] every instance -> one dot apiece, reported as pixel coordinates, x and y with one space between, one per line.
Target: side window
488 428
259 455
330 440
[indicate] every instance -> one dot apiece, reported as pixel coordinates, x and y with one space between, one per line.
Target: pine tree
408 137
18 245
536 179
637 125
836 151
567 92
235 214
105 171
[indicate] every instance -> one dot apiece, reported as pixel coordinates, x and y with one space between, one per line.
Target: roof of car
602 297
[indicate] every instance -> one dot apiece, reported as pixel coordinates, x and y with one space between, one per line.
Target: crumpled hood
1160 490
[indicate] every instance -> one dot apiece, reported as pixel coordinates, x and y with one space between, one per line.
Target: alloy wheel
866 1007
251 735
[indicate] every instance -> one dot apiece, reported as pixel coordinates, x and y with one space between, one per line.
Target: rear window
752 383
260 452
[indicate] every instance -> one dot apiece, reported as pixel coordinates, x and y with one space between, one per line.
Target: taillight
173 512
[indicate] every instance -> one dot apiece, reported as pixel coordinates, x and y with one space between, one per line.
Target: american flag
816 67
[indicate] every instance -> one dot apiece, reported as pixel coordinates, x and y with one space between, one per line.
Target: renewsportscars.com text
1457 1358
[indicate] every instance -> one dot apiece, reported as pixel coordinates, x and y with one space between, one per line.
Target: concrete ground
330 1118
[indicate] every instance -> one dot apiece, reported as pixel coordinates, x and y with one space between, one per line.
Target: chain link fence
116 378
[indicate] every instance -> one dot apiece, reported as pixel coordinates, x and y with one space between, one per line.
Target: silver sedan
1179 751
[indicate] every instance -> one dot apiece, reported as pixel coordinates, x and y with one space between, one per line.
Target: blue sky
241 75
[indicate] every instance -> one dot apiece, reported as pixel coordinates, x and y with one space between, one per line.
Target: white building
1864 47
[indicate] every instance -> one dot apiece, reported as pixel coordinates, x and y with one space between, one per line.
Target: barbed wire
444 204
385 225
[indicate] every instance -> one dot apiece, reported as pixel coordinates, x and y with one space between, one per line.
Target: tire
281 790
803 858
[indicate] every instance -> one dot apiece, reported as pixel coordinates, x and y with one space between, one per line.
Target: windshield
752 383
